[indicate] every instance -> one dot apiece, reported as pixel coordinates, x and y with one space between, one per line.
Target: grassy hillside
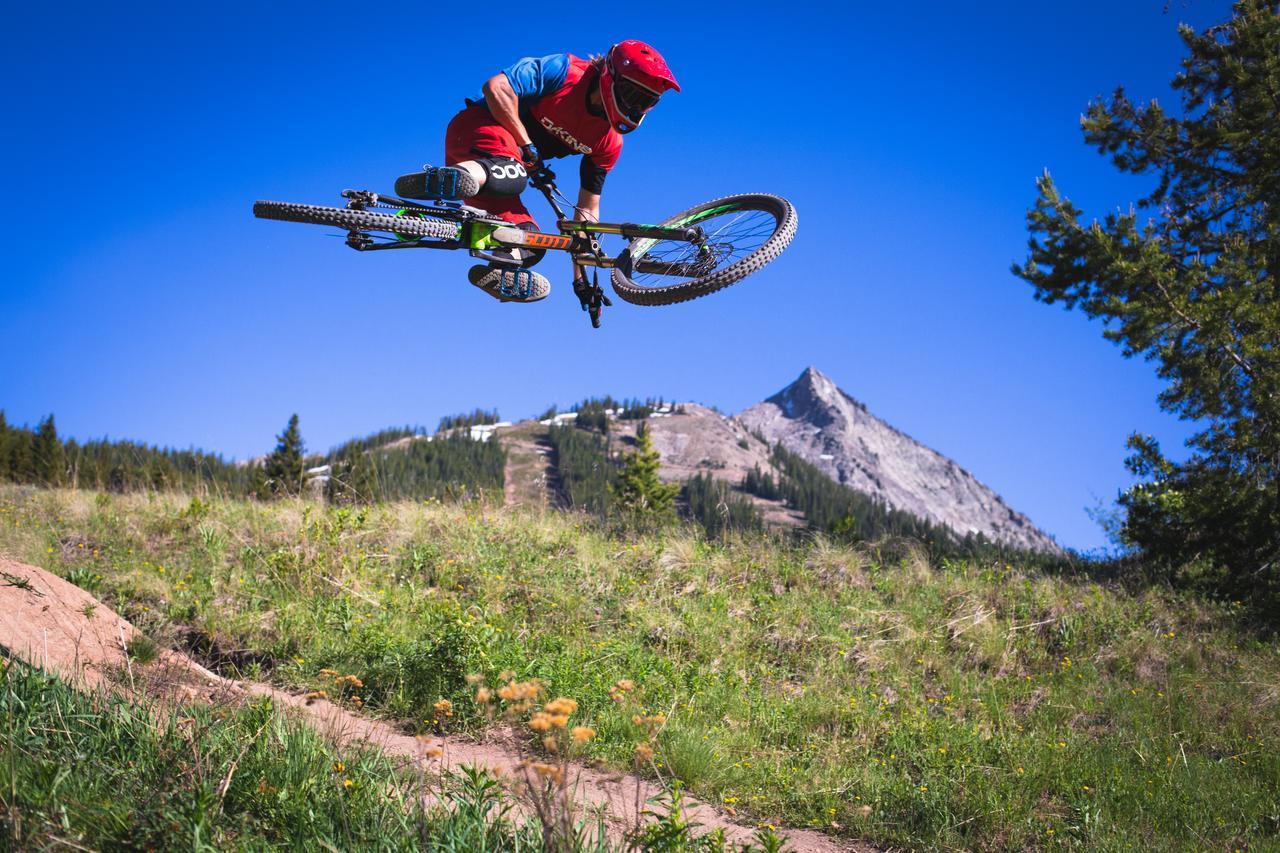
139 785
967 704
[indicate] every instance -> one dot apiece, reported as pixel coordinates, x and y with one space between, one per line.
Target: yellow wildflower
561 706
547 771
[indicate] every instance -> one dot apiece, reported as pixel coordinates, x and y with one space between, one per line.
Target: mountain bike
691 254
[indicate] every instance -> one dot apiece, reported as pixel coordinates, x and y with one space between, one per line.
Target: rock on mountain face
816 420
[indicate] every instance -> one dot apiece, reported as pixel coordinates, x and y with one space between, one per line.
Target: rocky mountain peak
814 398
815 419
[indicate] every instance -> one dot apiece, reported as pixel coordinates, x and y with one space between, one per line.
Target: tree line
40 457
363 469
835 508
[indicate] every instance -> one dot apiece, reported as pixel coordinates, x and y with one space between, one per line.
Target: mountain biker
538 109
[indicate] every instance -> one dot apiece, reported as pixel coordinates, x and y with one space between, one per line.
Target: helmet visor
633 99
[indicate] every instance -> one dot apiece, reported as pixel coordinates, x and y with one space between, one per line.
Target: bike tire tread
355 220
720 279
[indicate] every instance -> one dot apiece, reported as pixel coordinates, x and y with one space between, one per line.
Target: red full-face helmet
632 79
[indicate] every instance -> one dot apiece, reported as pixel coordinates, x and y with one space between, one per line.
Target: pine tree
352 479
50 462
258 485
283 467
638 488
1194 286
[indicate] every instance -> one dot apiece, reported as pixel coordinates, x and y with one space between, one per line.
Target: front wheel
743 233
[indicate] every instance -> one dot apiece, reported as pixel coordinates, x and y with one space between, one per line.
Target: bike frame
482 235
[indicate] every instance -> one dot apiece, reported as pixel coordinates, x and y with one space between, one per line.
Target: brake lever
542 178
592 298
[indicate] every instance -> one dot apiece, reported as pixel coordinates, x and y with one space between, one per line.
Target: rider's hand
592 298
539 174
583 289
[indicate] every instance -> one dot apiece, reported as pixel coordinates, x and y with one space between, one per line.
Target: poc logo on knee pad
507 177
509 170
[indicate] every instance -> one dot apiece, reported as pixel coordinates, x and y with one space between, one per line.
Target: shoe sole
510 285
444 184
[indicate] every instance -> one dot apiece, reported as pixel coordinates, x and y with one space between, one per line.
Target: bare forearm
588 210
505 106
588 207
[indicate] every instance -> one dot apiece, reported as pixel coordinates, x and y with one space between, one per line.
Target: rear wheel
408 225
743 233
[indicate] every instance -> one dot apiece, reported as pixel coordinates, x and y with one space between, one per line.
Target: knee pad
504 176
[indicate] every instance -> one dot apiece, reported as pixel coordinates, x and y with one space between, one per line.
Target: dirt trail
63 629
530 477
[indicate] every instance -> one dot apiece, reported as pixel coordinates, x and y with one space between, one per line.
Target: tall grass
965 704
89 770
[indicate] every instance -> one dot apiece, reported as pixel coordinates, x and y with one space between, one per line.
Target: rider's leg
511 282
444 183
477 146
500 176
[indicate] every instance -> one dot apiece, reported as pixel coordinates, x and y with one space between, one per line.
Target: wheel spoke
730 236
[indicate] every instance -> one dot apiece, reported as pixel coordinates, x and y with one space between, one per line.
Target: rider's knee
503 175
529 257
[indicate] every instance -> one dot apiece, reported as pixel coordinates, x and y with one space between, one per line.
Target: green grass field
962 705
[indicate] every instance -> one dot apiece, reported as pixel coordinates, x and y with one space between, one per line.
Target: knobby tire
785 221
356 220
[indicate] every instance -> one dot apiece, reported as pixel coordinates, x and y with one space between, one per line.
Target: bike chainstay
366 200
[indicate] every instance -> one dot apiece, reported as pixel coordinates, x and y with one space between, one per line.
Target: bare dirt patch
48 622
530 478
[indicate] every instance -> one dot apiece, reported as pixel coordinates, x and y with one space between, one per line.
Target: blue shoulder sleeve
533 77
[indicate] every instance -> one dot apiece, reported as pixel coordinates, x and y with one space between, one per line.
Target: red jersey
562 122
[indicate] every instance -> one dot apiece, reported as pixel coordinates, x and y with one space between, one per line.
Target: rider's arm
525 80
588 206
588 210
591 172
505 106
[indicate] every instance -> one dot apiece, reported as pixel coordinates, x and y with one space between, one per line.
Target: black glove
592 297
539 174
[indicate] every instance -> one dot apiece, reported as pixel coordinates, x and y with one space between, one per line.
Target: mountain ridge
816 419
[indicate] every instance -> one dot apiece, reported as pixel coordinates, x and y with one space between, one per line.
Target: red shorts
472 133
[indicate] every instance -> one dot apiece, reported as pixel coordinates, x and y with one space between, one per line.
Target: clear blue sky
142 300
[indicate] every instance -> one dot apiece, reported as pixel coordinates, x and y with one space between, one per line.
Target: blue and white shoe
510 284
438 183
